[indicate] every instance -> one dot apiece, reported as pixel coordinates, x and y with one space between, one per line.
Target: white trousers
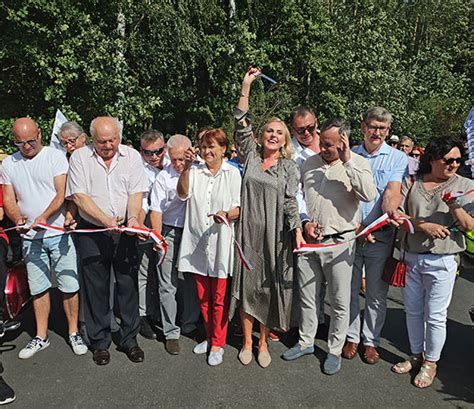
427 294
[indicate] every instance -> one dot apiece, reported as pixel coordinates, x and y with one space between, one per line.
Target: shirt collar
122 150
225 167
383 150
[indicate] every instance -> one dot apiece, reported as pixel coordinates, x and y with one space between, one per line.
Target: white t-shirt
33 182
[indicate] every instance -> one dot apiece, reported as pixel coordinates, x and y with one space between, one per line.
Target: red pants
214 303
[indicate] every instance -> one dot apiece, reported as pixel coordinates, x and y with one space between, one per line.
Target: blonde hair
287 149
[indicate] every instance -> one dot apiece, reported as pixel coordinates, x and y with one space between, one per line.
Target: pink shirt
109 188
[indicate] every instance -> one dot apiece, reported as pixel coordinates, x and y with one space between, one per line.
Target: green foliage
177 65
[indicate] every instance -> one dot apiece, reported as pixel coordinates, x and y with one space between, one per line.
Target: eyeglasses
31 142
451 161
156 152
71 141
415 155
382 129
302 131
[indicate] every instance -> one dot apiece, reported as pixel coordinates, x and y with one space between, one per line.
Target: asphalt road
56 378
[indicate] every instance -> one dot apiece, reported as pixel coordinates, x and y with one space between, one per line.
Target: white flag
59 120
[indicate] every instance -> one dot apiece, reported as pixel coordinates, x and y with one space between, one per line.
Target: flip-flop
414 362
426 375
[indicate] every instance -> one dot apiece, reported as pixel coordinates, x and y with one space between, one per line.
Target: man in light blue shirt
389 166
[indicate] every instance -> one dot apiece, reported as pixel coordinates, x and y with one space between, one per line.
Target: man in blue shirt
389 166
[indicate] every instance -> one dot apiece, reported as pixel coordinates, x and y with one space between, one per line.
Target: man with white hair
167 217
107 182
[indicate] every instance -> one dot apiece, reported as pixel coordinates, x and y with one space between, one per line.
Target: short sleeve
138 180
6 180
59 162
76 176
400 168
158 194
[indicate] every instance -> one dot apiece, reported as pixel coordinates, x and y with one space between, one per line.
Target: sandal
414 362
426 376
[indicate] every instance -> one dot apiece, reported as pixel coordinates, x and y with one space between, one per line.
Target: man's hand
300 241
345 149
133 224
395 219
189 157
70 223
434 230
38 220
313 231
367 239
20 222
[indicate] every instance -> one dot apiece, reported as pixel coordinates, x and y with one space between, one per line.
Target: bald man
34 187
107 181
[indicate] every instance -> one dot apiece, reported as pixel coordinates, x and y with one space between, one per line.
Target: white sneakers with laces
77 344
35 345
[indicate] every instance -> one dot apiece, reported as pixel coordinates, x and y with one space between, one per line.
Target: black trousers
99 253
3 279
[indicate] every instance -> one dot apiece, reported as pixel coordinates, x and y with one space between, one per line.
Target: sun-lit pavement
56 378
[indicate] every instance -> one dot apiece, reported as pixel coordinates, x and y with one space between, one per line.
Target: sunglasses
157 152
302 131
31 142
452 160
415 155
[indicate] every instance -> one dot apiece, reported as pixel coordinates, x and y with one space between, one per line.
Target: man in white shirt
107 181
406 145
153 151
305 139
167 217
34 188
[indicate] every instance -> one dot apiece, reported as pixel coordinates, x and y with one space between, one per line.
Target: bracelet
132 217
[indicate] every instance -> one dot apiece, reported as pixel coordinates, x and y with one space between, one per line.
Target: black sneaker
146 330
6 393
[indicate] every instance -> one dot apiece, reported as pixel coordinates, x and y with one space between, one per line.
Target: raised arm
244 136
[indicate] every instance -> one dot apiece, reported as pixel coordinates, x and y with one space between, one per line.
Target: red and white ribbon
374 226
449 196
153 234
242 257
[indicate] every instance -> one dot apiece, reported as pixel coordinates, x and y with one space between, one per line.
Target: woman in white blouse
212 187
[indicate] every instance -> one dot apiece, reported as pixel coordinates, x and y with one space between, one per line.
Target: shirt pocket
381 179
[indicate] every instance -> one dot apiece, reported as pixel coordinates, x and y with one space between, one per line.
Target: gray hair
301 111
117 124
407 138
71 128
178 141
343 125
379 114
151 135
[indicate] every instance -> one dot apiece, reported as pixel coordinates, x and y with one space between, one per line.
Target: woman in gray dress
269 227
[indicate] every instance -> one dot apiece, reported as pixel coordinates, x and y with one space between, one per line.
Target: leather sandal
350 350
426 376
414 362
371 356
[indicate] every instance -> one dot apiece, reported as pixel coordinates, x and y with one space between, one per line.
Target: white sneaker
77 344
202 348
35 345
216 357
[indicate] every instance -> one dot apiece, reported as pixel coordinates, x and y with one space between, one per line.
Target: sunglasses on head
452 160
31 142
156 152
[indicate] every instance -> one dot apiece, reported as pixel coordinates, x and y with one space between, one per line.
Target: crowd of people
284 188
